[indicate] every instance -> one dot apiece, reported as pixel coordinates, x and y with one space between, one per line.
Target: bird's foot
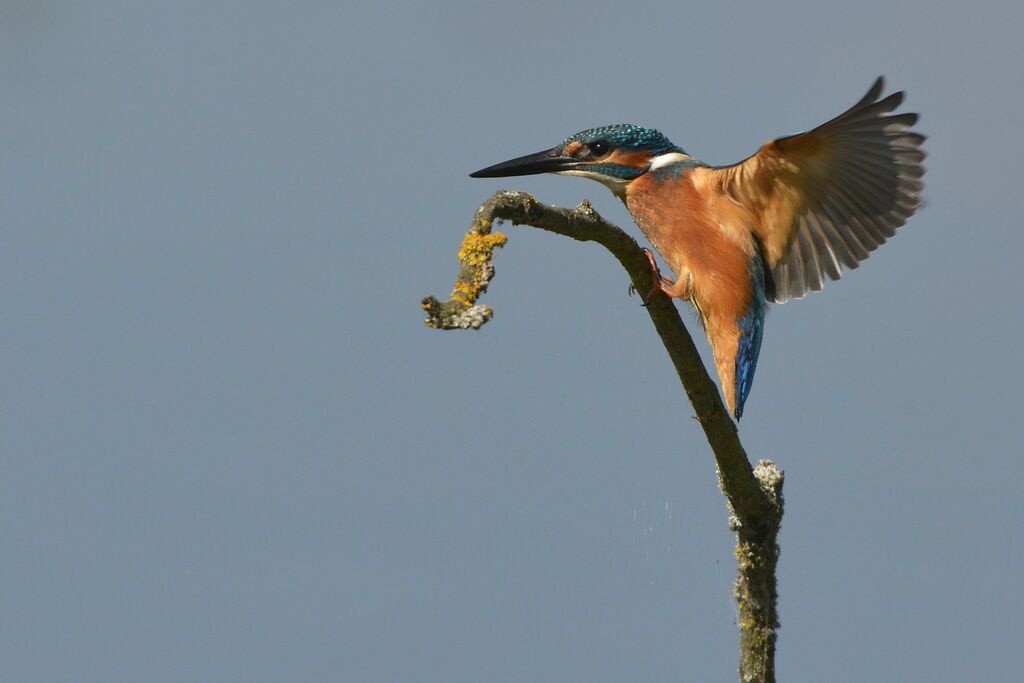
671 289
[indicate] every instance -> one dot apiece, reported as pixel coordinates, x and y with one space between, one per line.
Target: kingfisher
765 230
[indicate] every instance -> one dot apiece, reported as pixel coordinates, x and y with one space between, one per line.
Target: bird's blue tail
751 329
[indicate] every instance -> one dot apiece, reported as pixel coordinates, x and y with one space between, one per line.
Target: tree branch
754 495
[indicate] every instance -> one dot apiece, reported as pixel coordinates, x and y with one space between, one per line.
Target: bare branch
754 496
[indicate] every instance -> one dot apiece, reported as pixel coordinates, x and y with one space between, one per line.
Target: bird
771 228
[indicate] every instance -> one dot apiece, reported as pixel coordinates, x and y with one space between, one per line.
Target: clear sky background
230 450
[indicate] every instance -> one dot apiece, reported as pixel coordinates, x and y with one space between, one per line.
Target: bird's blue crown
626 135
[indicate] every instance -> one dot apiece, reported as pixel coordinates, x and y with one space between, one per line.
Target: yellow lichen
476 248
466 292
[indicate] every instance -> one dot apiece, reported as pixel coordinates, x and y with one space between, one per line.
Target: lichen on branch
476 268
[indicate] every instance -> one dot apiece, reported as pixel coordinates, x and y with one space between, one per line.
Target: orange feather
682 224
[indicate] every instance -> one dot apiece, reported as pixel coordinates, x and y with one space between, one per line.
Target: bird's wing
827 198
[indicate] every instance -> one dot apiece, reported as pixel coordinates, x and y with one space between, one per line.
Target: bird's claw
671 289
657 280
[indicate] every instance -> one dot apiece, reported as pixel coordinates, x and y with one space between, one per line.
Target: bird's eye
599 148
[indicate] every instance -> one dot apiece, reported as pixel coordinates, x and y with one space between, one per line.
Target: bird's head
612 155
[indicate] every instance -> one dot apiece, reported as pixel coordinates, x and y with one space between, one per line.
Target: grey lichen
771 478
455 315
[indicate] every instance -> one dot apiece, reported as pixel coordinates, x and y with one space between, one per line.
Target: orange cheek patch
573 148
632 158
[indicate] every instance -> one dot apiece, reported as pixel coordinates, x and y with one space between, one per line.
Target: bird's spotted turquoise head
612 155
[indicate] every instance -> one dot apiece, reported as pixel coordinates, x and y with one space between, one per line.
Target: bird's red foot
663 284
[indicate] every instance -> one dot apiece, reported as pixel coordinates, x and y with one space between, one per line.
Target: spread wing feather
824 200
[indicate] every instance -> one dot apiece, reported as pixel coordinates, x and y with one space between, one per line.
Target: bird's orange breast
692 231
700 233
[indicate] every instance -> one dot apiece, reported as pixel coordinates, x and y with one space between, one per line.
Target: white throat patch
666 159
616 185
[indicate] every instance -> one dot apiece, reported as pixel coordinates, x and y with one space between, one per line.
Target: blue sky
230 451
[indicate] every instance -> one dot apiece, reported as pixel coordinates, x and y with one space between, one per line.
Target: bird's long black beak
548 161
